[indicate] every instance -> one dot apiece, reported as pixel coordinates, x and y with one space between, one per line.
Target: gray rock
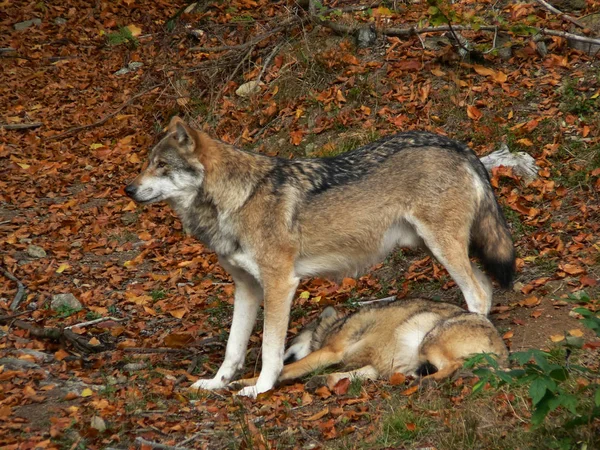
18 364
60 21
131 67
24 25
366 36
40 357
36 251
69 300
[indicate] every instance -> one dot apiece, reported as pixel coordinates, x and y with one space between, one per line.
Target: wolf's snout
130 190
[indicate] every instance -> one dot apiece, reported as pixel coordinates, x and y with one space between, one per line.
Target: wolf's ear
328 312
182 132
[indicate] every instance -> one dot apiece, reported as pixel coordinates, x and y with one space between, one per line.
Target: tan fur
373 341
274 221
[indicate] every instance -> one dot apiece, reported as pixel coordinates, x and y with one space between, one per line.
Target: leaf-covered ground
61 191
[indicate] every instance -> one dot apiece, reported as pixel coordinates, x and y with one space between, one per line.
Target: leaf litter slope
61 190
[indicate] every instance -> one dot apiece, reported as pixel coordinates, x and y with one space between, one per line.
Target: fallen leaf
473 112
509 334
410 391
323 392
557 337
318 415
62 268
576 332
530 302
87 392
178 313
341 387
61 354
397 379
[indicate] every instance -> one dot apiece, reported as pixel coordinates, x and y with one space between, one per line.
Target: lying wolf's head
174 167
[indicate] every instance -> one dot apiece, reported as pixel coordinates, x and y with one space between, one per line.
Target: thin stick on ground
153 350
20 126
20 295
377 300
561 14
94 322
102 121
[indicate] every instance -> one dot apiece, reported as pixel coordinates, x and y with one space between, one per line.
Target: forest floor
103 79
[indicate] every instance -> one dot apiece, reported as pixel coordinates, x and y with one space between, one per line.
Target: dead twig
59 334
561 14
20 290
13 316
189 370
94 322
20 126
141 441
102 121
377 300
153 350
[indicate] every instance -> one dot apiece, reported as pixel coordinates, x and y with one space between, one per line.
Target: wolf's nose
130 190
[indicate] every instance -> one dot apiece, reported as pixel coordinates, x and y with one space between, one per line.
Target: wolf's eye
161 165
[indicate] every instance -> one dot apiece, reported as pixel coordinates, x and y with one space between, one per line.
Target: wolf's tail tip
502 271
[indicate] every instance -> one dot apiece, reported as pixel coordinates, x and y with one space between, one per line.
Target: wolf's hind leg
451 248
364 373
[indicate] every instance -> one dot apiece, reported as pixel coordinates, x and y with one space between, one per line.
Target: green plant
65 311
547 382
158 294
92 315
123 36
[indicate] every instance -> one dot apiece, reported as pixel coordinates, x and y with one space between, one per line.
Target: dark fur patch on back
327 173
426 369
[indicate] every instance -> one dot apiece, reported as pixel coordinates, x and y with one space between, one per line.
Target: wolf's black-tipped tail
492 243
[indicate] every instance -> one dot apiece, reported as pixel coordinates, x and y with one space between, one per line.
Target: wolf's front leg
279 294
247 298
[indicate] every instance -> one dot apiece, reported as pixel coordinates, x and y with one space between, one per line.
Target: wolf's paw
248 391
208 384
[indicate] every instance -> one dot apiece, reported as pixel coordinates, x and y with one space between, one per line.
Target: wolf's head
306 341
175 168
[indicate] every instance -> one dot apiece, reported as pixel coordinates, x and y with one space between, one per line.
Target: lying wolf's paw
208 384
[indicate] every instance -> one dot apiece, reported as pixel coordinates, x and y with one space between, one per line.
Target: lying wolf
273 221
415 337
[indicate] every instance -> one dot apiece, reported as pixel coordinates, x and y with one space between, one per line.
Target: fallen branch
153 350
561 14
20 290
377 300
575 37
94 322
410 31
20 126
13 316
141 441
101 121
59 334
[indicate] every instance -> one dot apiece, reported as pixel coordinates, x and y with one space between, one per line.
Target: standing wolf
273 221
